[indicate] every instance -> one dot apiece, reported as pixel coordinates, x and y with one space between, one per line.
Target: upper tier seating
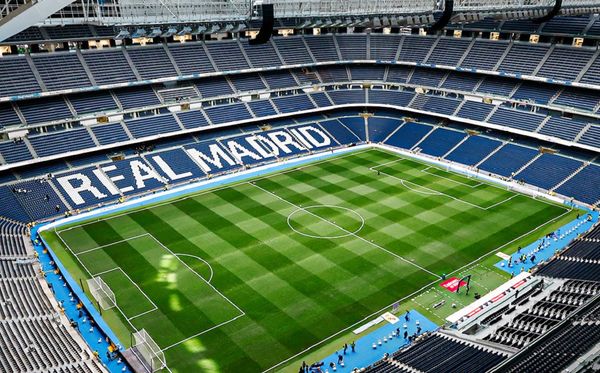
61 71
191 58
109 66
523 58
16 77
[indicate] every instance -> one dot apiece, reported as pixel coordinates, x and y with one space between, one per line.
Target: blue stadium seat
109 66
292 50
475 110
523 58
152 125
508 159
17 77
563 128
347 96
461 81
10 206
473 150
435 104
548 170
399 98
8 116
352 46
213 87
248 82
591 136
262 55
61 71
384 47
565 63
398 74
381 128
38 199
137 97
227 55
427 77
340 132
110 133
227 113
448 51
368 73
578 98
61 142
179 164
191 58
262 108
93 102
518 119
293 103
280 79
45 110
356 125
152 62
441 141
536 92
14 152
322 48
192 119
497 86
415 48
484 54
321 99
584 185
408 135
333 74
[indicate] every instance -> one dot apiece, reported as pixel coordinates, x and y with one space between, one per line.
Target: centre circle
347 221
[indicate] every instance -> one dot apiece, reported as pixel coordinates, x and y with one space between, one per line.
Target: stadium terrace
299 186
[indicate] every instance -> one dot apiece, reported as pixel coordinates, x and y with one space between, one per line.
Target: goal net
148 351
102 293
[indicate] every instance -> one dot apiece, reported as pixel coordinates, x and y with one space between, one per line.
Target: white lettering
137 167
324 141
84 186
216 155
168 170
239 152
283 139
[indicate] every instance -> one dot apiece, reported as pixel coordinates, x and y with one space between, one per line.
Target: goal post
102 293
151 356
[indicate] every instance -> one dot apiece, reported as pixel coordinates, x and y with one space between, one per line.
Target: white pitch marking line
426 170
202 260
419 291
362 222
435 192
348 232
112 244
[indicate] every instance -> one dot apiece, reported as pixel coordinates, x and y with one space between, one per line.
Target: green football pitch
243 277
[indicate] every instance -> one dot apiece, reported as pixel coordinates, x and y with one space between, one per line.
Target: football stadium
299 186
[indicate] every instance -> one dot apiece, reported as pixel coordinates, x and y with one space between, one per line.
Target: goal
148 351
102 293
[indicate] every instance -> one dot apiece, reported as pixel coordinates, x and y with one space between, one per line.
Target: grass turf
275 288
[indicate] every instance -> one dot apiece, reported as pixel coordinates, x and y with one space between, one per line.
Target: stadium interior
478 121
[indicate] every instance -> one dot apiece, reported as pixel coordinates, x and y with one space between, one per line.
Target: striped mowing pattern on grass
293 257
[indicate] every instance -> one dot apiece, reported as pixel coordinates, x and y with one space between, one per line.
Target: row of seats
72 106
63 70
36 199
79 138
32 336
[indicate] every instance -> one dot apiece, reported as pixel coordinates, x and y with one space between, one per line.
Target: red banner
452 284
